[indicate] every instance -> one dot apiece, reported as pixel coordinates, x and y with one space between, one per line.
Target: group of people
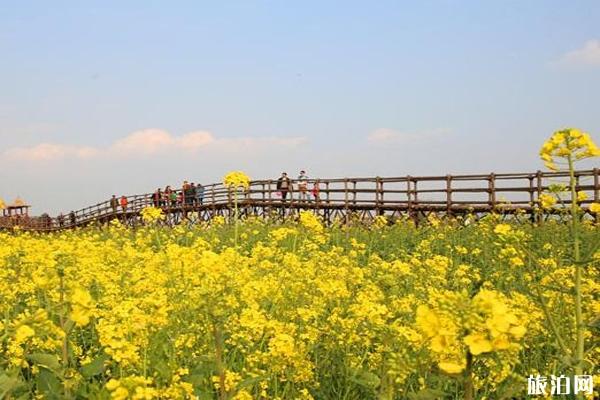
72 219
285 185
191 194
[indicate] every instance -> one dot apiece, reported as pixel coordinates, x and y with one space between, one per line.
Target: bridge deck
343 198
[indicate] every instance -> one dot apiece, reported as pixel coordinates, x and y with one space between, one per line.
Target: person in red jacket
124 203
316 190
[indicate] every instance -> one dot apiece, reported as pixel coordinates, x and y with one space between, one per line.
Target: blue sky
99 98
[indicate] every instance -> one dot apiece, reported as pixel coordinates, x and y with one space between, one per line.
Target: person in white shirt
303 186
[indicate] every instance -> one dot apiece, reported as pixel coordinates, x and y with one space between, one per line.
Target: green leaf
46 360
48 384
95 367
365 378
8 384
162 369
196 379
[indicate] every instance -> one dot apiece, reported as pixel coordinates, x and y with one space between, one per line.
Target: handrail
447 193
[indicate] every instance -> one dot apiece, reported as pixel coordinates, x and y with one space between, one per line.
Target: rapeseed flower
82 307
236 179
152 214
547 201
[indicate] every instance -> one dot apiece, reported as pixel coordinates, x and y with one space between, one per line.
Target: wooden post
415 190
448 194
379 196
409 203
347 217
533 209
531 190
327 209
354 192
213 201
596 185
492 191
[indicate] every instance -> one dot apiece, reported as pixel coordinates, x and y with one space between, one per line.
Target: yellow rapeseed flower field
295 311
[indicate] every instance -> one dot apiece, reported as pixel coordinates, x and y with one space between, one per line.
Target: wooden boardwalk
348 199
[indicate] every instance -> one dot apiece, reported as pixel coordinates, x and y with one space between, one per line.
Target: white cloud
145 142
383 135
588 55
50 151
388 136
150 142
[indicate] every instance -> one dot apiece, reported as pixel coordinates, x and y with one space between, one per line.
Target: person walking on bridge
183 194
114 204
167 196
303 186
199 193
124 203
284 185
157 198
190 195
316 190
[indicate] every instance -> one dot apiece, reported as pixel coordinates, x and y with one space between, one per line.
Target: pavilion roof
18 203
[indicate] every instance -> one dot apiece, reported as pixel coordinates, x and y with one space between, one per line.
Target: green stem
552 323
579 327
218 338
236 218
469 389
63 324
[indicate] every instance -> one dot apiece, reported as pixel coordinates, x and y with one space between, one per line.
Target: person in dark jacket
190 195
114 204
157 198
284 185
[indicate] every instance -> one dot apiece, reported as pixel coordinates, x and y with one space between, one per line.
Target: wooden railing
408 194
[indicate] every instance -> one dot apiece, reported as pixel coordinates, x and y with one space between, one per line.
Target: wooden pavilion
17 208
14 214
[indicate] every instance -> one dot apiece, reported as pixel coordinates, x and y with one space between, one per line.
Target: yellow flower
451 367
567 143
517 262
547 200
478 343
243 395
501 343
23 333
311 221
581 196
517 331
595 208
236 179
502 229
152 214
380 222
428 321
82 306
